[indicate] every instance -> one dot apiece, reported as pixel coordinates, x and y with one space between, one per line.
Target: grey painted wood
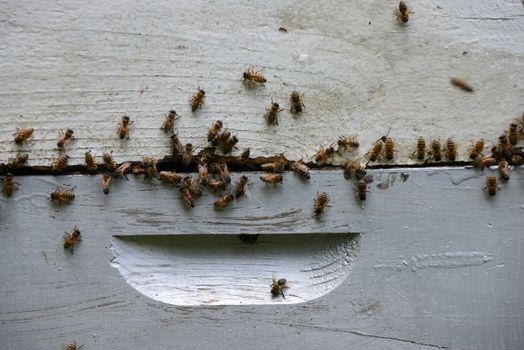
439 265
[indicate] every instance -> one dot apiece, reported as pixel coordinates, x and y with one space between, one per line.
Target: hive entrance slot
227 270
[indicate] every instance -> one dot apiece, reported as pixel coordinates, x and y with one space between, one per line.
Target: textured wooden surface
438 265
82 65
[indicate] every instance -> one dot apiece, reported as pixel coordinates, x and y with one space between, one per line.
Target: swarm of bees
71 238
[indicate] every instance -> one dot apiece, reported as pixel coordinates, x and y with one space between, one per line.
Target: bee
106 180
503 149
60 163
122 170
254 76
354 168
389 148
274 167
9 184
223 201
19 161
65 138
504 170
301 169
272 178
240 186
451 150
62 195
108 160
90 162
192 185
214 130
70 239
278 286
176 146
517 159
347 143
513 134
123 127
421 148
362 189
244 156
403 12
520 124
375 151
491 185
216 184
169 121
228 145
436 153
72 346
223 173
187 156
461 84
321 202
477 149
170 177
197 99
22 135
296 104
322 155
485 161
272 113
187 197
149 165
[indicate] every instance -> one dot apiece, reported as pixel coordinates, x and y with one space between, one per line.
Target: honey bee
228 145
223 201
491 185
296 103
362 189
60 163
65 138
421 148
192 185
513 134
108 161
169 121
301 169
149 165
72 346
403 12
62 195
517 159
203 173
122 170
106 180
461 84
90 162
187 156
187 197
19 161
477 149
214 130
520 124
240 186
503 150
70 239
272 113
272 178
389 148
170 177
216 184
354 168
321 202
9 184
244 156
436 153
254 76
504 170
176 146
123 127
374 154
223 173
197 99
347 143
22 135
278 286
274 167
322 155
485 161
221 138
451 150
